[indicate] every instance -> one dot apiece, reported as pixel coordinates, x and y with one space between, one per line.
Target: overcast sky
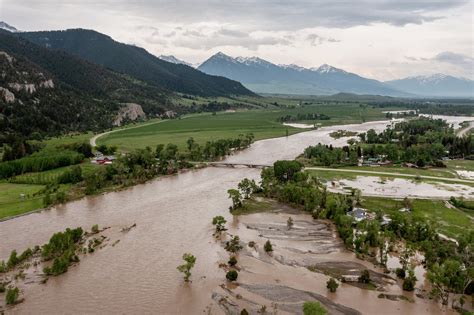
381 39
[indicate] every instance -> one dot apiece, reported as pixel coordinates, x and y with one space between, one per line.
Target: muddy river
173 215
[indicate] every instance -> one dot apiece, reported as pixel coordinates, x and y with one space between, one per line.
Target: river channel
172 215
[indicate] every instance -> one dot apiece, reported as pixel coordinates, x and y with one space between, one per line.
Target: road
93 140
463 131
457 180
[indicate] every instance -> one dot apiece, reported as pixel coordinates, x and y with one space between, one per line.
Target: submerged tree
219 222
233 245
268 247
236 197
185 268
332 285
289 223
247 187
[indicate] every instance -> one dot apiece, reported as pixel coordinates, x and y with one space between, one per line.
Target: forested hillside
49 92
137 62
32 100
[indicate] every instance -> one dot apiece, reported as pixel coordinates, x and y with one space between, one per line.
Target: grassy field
11 201
449 221
262 123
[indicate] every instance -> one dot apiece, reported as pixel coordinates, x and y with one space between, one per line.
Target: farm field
206 127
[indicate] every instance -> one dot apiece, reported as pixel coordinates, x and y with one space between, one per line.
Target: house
358 214
103 160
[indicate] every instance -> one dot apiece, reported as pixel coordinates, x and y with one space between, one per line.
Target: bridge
233 165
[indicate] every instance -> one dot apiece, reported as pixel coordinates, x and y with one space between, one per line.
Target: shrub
332 285
95 229
409 284
232 261
232 275
364 276
400 272
268 247
313 308
233 245
12 296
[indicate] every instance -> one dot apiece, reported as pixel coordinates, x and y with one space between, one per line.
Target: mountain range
263 76
79 80
136 62
436 85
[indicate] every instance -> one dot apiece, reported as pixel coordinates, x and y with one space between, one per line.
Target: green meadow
207 127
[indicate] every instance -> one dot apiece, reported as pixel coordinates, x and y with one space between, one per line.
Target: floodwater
172 215
400 188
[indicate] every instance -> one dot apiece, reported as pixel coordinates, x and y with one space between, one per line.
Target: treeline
325 155
423 141
213 150
40 161
302 116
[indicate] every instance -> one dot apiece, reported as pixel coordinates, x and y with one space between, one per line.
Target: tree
410 281
268 247
247 187
446 278
313 308
286 170
236 197
233 245
364 276
232 275
219 222
232 261
332 285
12 296
185 268
190 143
289 223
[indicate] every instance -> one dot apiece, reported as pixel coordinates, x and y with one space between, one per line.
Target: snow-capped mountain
263 76
435 85
8 27
174 60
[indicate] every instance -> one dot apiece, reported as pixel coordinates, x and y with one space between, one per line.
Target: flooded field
400 188
172 216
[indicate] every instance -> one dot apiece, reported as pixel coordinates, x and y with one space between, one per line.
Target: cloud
316 40
265 14
455 59
447 57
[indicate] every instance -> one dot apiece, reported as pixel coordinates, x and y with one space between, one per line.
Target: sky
380 39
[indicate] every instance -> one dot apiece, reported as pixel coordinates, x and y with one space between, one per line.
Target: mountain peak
173 59
325 68
292 66
8 27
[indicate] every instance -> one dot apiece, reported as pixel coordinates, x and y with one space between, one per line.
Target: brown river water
173 215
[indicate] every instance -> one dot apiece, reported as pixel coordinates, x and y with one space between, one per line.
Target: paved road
93 140
458 180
